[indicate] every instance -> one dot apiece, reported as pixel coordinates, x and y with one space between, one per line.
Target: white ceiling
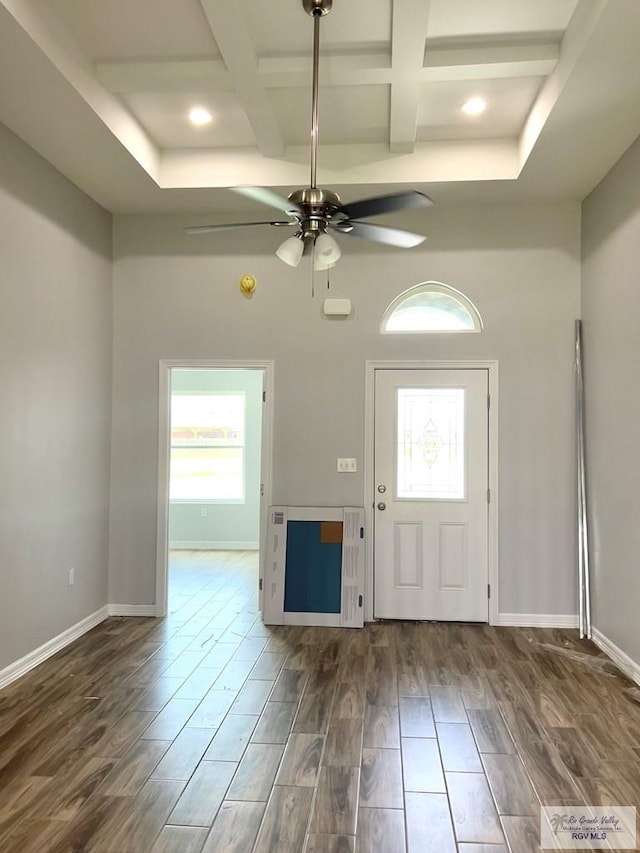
102 89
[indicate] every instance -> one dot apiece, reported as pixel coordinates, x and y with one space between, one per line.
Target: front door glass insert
430 444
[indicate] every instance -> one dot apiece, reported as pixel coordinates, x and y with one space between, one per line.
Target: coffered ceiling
103 89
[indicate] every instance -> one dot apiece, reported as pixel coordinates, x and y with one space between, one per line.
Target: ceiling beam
410 20
230 33
342 165
335 70
451 52
65 57
375 69
582 25
135 77
486 60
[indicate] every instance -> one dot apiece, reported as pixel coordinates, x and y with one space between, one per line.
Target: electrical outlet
347 466
204 512
72 576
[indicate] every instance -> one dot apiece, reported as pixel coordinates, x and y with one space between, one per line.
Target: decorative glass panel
430 460
431 307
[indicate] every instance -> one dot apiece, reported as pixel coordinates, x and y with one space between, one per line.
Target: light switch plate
347 466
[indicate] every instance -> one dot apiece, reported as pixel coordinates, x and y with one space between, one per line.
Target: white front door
431 494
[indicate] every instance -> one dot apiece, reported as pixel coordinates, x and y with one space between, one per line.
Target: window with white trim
431 307
208 447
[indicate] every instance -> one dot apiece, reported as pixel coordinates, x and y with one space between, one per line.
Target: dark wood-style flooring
206 732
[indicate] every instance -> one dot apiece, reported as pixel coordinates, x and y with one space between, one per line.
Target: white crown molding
51 647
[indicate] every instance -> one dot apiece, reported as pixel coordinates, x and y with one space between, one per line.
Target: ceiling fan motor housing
315 207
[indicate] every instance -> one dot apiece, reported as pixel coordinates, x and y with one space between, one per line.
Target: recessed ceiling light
474 106
199 115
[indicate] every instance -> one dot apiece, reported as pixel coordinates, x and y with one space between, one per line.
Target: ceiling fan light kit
291 251
326 252
314 211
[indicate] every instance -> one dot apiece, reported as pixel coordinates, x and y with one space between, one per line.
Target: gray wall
174 297
55 375
226 525
611 308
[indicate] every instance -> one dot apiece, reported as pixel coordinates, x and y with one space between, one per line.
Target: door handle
382 506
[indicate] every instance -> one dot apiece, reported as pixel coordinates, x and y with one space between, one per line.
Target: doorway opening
213 484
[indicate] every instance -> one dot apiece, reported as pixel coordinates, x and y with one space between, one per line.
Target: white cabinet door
431 495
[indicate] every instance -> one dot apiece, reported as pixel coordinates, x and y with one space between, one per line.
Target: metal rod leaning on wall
577 367
584 591
581 623
583 487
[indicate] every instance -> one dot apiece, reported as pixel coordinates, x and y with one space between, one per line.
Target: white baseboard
621 659
132 609
51 647
206 545
537 620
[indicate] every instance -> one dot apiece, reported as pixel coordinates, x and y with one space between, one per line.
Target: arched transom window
431 307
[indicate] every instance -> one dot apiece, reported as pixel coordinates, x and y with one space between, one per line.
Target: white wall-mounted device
336 307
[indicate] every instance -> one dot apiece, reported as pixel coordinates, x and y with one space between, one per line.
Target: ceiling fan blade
227 226
386 204
381 234
269 197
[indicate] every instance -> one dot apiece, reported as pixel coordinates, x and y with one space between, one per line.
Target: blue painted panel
313 571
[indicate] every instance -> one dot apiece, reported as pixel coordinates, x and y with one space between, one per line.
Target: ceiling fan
314 211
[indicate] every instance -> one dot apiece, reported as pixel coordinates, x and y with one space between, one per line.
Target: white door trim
162 536
368 467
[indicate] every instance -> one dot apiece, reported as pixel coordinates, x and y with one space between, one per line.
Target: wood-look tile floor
206 732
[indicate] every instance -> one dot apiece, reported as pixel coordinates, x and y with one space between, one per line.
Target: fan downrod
317 7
